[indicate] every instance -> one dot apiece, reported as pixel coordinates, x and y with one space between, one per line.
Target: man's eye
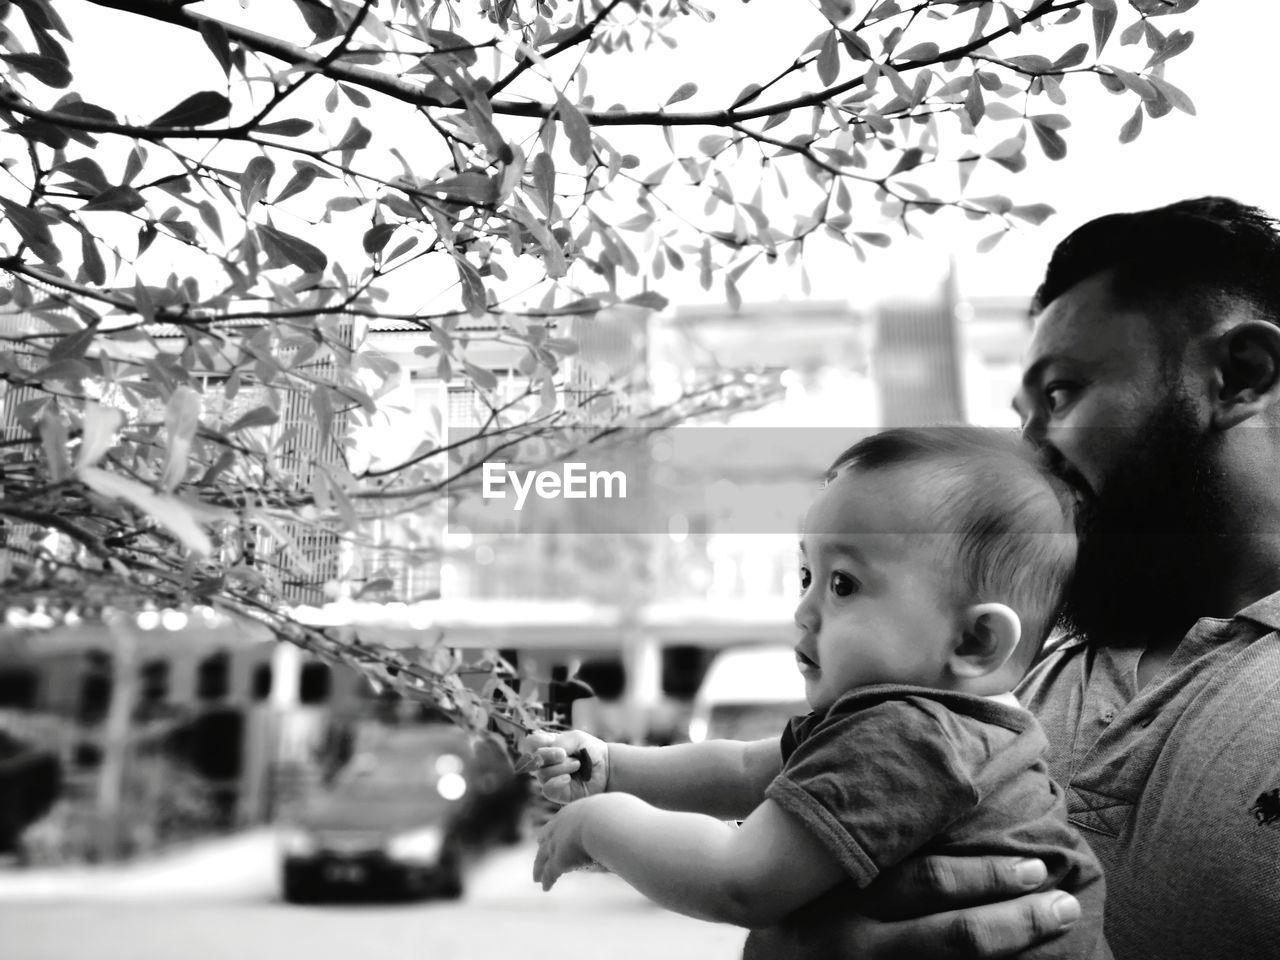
1057 395
843 585
804 579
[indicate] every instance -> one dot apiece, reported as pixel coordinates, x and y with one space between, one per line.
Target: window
213 676
315 683
18 688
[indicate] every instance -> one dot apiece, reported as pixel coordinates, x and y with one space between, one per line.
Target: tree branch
414 94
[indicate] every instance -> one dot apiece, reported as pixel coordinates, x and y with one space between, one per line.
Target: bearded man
1152 385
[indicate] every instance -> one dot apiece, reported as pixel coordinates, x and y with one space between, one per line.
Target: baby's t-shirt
892 771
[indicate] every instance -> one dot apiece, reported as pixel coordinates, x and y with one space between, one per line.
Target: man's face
874 607
1118 421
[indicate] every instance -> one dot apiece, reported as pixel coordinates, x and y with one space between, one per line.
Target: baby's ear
989 633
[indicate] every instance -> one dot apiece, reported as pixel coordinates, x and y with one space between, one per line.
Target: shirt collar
1265 611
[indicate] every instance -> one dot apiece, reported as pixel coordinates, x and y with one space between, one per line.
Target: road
220 903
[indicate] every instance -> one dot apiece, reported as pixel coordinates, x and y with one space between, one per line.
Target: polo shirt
891 771
1177 786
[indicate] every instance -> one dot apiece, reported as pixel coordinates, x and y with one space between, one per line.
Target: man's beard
1146 538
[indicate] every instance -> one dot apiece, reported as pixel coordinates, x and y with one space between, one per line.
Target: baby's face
873 605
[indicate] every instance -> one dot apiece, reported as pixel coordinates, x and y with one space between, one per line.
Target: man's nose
1034 430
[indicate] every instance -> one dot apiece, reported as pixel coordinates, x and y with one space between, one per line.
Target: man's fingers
978 933
925 885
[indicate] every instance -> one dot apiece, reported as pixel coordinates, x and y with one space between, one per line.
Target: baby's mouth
804 662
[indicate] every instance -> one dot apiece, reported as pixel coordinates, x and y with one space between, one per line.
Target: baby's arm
751 876
720 778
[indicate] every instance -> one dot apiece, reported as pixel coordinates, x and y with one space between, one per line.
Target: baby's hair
1006 524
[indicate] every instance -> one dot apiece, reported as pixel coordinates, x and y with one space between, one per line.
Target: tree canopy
184 368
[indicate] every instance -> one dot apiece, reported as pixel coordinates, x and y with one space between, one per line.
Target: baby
932 564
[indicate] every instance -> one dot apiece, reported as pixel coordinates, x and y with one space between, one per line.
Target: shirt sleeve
876 783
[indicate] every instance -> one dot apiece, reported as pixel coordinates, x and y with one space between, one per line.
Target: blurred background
175 785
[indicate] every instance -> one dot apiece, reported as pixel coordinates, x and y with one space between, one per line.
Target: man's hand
560 846
983 911
559 773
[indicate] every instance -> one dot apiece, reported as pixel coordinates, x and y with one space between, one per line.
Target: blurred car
748 693
401 817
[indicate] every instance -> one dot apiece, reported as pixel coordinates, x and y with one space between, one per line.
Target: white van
748 693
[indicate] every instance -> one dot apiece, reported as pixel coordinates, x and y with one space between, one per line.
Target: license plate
344 873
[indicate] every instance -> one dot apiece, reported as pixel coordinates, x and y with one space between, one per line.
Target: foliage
189 291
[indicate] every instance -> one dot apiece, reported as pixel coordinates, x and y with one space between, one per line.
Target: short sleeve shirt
890 771
1176 786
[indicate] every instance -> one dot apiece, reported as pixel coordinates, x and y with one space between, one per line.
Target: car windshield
751 721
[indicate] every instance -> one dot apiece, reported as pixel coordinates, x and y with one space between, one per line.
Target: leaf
357 137
650 300
98 433
909 160
683 92
1035 213
285 128
829 60
1073 57
377 237
1104 21
133 166
921 51
215 37
86 173
47 70
255 180
576 128
302 178
322 21
1174 44
181 418
986 244
1132 127
544 181
1174 95
31 226
210 217
91 260
974 106
1051 142
195 111
485 380
53 437
169 512
473 293
257 417
121 198
875 239
293 249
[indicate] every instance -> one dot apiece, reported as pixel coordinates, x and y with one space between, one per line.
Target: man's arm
751 876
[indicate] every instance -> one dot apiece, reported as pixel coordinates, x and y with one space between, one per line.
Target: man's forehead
1085 323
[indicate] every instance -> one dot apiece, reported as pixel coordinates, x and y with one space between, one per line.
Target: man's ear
989 634
1247 372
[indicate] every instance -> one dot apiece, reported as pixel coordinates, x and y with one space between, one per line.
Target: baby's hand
569 766
560 845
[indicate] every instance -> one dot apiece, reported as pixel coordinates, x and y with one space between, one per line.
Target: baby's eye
843 585
804 579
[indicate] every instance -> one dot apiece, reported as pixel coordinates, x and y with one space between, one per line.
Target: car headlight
451 786
697 729
297 842
419 845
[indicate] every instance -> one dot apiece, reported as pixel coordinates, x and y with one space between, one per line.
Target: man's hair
1189 260
1007 525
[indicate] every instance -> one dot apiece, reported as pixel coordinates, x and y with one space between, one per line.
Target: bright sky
1224 149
